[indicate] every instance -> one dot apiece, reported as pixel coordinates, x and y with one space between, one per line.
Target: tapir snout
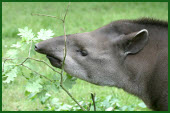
52 50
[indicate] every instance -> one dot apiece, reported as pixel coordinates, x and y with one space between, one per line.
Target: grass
82 17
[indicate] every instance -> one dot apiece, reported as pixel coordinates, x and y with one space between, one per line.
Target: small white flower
45 34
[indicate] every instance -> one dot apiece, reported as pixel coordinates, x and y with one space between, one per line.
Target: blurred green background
82 17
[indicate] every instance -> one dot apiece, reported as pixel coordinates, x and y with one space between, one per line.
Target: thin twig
73 98
63 63
44 63
93 98
65 45
88 109
24 75
66 11
37 73
65 53
34 60
8 58
22 64
5 59
46 16
24 61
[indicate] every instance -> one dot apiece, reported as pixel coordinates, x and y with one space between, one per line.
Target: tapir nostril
36 47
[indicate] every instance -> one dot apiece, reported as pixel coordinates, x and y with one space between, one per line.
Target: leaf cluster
102 104
18 63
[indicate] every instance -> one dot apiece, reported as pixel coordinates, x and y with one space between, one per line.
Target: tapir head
97 56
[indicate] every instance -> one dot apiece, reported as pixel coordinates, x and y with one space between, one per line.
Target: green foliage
69 81
108 103
28 36
27 40
12 53
37 86
33 85
45 34
10 74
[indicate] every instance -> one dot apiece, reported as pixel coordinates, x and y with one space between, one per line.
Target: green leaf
56 77
24 47
55 102
11 75
108 98
27 93
7 67
34 87
12 53
130 108
45 34
105 103
32 96
41 94
124 108
65 107
52 108
142 105
45 97
48 86
32 52
114 101
26 34
69 81
17 45
109 109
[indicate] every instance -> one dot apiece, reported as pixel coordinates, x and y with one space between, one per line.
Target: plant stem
93 98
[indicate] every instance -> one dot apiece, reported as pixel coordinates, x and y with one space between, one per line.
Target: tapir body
128 54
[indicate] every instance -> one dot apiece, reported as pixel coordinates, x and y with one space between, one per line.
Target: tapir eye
83 52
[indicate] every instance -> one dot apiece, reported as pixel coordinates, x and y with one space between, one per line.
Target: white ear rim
126 53
143 30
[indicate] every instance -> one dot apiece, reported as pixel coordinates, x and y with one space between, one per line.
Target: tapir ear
134 42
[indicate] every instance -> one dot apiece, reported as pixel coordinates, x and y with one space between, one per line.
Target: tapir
128 54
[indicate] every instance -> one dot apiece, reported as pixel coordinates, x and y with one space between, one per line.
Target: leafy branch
63 62
25 59
65 54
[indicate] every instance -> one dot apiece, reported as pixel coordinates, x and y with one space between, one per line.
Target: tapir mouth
56 62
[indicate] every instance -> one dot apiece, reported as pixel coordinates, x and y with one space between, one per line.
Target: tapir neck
134 83
140 68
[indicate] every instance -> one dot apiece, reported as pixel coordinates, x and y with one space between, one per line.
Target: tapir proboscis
128 54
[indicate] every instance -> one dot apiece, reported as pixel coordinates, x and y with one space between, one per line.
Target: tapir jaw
56 62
